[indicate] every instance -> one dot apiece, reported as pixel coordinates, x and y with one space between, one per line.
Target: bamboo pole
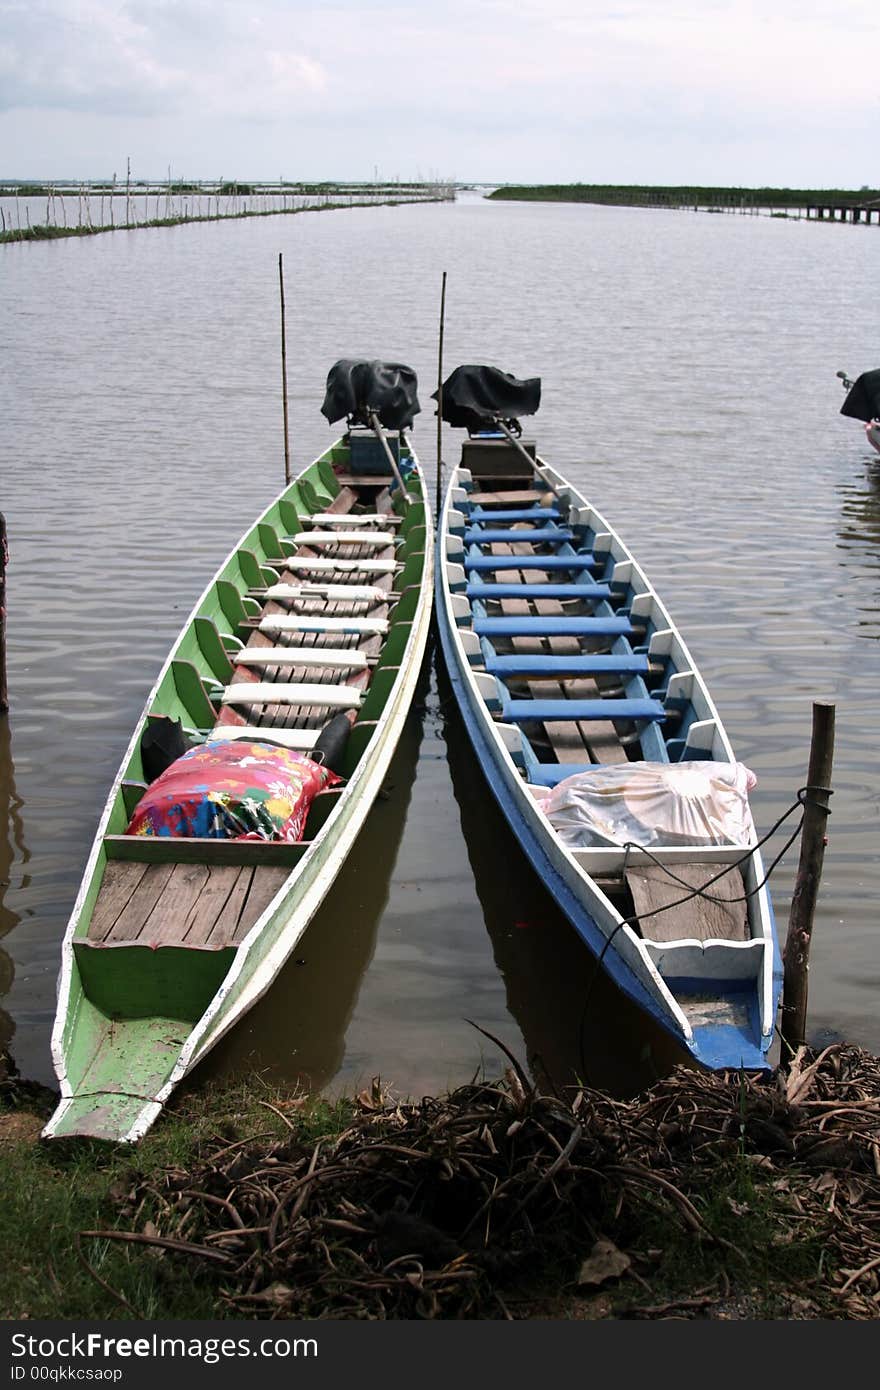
284 370
4 559
440 396
803 904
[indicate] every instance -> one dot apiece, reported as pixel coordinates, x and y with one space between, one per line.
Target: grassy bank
681 195
711 1197
52 1193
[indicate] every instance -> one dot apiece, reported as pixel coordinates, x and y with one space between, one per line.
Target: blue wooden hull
737 1030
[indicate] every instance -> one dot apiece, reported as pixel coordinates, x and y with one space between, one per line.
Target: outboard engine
487 403
366 393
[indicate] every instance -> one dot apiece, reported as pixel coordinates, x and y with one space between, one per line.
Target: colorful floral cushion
233 790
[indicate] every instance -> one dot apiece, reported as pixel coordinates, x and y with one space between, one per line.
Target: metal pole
440 394
284 371
803 904
515 442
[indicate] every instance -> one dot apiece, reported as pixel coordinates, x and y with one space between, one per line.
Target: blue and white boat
601 743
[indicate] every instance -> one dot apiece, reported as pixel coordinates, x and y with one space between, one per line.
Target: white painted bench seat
321 622
364 593
350 660
301 740
284 693
346 519
372 538
326 562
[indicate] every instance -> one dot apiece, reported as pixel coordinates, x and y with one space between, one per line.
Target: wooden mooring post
806 890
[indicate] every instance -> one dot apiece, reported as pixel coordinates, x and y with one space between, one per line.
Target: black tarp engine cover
475 397
356 387
863 400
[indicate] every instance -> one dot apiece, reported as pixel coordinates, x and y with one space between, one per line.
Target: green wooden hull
134 1017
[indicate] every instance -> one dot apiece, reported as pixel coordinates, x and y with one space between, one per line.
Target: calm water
688 364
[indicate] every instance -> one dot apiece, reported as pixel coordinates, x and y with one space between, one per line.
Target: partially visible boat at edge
570 673
323 607
863 403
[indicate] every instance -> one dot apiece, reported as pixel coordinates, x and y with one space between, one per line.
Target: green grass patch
54 1190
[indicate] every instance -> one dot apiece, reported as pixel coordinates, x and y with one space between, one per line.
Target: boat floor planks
569 741
182 904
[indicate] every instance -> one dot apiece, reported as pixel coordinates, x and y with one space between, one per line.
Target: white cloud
144 59
532 89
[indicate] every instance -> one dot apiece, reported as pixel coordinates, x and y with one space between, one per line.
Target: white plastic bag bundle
693 803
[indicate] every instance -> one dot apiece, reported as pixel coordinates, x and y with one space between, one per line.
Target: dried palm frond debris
465 1206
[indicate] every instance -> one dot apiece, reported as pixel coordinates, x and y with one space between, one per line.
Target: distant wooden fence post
284 370
806 890
4 557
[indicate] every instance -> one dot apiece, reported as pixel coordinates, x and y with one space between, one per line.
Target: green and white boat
326 599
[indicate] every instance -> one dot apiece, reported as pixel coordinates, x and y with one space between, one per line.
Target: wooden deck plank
265 883
179 897
118 886
231 924
696 918
128 922
217 892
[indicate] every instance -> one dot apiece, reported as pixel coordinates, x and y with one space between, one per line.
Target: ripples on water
689 381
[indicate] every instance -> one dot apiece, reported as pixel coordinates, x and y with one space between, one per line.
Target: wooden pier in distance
845 212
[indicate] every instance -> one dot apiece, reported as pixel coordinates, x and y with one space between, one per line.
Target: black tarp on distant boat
863 400
356 387
475 397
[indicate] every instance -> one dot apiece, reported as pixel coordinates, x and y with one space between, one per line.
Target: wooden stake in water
806 891
284 370
440 393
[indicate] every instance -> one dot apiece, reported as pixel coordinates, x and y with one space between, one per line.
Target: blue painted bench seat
499 591
516 711
539 535
551 774
490 563
587 664
515 514
527 626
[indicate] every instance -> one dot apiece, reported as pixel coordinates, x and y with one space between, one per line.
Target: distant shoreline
684 195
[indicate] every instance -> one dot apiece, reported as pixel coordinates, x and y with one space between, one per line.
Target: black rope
635 919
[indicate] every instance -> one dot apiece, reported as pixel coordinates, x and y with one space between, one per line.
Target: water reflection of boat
566 1009
13 852
296 1033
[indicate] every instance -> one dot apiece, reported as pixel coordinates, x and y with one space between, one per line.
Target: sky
778 92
